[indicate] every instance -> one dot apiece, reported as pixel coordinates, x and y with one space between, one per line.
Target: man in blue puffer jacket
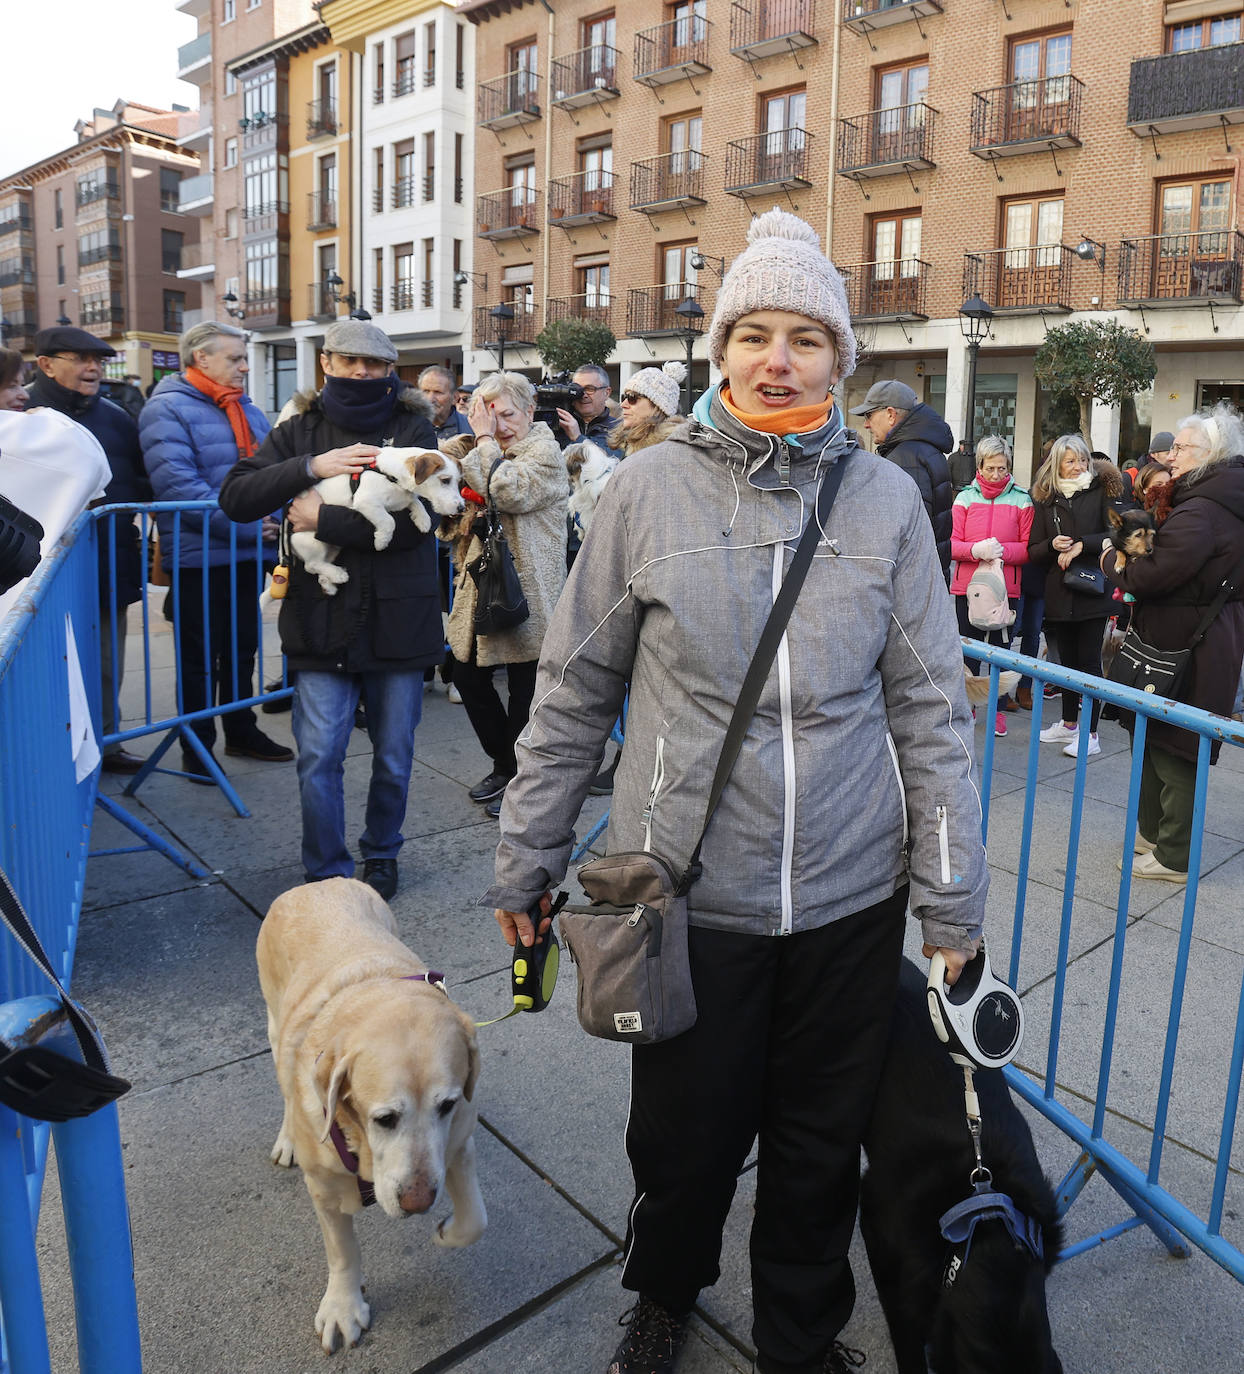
195 427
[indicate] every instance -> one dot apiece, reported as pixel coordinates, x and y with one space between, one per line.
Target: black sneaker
257 745
382 875
654 1336
488 788
273 708
841 1359
493 809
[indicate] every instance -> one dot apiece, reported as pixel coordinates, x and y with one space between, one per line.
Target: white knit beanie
783 268
660 385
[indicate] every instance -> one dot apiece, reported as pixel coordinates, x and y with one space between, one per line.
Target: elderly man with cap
382 628
914 435
852 798
71 369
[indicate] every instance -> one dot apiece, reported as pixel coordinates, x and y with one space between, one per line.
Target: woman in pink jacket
991 518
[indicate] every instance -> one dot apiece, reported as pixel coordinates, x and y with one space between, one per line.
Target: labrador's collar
431 978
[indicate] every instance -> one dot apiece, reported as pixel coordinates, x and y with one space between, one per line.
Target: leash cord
980 1175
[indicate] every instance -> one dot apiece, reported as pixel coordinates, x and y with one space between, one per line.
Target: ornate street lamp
504 316
975 318
690 312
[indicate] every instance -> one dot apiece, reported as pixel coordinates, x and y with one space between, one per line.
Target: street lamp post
503 314
691 313
975 318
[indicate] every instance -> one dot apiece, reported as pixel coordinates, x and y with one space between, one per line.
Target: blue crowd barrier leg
97 1227
153 762
589 839
189 740
1177 1247
149 837
21 1297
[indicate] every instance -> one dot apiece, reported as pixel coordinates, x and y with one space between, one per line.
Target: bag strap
762 659
13 914
1225 592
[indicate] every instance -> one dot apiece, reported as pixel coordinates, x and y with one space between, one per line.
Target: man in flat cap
71 368
381 629
914 435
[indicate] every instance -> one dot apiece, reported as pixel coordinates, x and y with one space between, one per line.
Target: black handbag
1083 579
500 603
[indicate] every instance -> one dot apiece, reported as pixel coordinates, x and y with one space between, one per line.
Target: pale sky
62 58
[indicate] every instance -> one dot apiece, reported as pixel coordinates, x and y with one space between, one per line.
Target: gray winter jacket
856 770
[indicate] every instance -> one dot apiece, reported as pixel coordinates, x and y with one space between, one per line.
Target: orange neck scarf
796 420
229 399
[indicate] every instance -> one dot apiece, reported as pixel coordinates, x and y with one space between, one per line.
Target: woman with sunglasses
649 408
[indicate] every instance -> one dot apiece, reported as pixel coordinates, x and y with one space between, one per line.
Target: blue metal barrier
1138 1183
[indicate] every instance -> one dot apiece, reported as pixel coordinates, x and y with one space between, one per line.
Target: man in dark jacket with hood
914 435
71 368
383 626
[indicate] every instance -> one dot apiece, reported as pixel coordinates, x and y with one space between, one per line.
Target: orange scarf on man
796 420
229 399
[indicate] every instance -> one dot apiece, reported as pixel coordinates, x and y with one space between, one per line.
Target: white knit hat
783 268
660 385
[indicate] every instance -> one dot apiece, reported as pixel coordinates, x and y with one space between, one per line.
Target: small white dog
590 469
399 477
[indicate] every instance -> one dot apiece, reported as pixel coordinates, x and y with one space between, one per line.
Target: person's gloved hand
985 549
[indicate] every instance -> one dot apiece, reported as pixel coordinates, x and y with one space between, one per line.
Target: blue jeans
1027 629
324 705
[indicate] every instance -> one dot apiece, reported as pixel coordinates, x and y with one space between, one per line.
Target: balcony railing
893 289
1021 280
1182 268
265 309
884 141
100 312
109 320
596 306
582 77
320 302
17 271
508 214
427 293
377 200
14 223
405 81
1187 90
261 129
585 198
764 162
97 190
428 187
1014 119
321 118
321 210
403 193
653 310
509 100
402 296
668 181
488 332
766 28
20 331
194 55
264 210
862 16
108 252
673 50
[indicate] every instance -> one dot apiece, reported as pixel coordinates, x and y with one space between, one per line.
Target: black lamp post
63 320
690 312
975 318
504 315
231 306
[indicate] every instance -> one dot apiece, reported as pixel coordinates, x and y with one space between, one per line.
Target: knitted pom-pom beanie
660 385
783 268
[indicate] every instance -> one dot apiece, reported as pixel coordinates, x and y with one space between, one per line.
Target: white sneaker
1058 733
1073 748
1147 866
1142 845
454 695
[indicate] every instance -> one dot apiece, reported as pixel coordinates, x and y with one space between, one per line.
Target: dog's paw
455 1235
382 540
283 1152
341 1319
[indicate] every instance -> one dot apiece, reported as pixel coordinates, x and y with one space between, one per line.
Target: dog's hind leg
343 1311
317 557
470 1217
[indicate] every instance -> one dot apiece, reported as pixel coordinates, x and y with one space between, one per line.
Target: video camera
556 393
19 544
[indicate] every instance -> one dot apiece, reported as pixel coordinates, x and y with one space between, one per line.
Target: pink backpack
988 608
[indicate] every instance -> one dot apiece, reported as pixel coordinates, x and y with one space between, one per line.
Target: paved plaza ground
229 1261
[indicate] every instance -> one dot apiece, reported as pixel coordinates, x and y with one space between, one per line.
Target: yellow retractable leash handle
533 969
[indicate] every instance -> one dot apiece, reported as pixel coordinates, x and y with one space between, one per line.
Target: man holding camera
592 418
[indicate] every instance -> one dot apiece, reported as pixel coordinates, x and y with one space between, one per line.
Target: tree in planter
1095 360
568 344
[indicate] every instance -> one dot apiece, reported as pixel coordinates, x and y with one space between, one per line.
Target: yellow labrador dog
378 1070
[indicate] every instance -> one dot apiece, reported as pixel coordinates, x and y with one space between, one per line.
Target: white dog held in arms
590 469
378 1071
395 482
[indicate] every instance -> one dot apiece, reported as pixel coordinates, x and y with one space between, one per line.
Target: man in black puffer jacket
914 435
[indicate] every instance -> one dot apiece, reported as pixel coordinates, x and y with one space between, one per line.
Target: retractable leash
533 968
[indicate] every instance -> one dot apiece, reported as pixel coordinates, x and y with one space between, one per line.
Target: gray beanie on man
359 339
783 268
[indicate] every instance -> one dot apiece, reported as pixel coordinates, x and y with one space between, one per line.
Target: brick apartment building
1060 158
93 236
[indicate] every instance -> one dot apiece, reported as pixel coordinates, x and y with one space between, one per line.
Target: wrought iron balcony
862 16
652 311
92 191
585 77
882 142
1180 269
596 306
15 219
585 198
1021 281
777 160
264 218
403 193
1027 115
488 332
508 214
768 28
402 295
668 182
405 81
509 100
893 289
1201 89
321 118
321 211
261 130
672 51
428 187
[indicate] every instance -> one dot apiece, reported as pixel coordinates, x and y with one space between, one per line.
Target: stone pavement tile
115 879
230 1264
1204 1052
1219 904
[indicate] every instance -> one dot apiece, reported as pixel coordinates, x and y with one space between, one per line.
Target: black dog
1131 533
987 1313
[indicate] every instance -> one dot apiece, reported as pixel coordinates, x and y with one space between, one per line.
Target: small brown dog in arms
378 1071
1131 534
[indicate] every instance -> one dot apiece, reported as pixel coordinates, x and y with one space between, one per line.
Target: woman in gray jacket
851 799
